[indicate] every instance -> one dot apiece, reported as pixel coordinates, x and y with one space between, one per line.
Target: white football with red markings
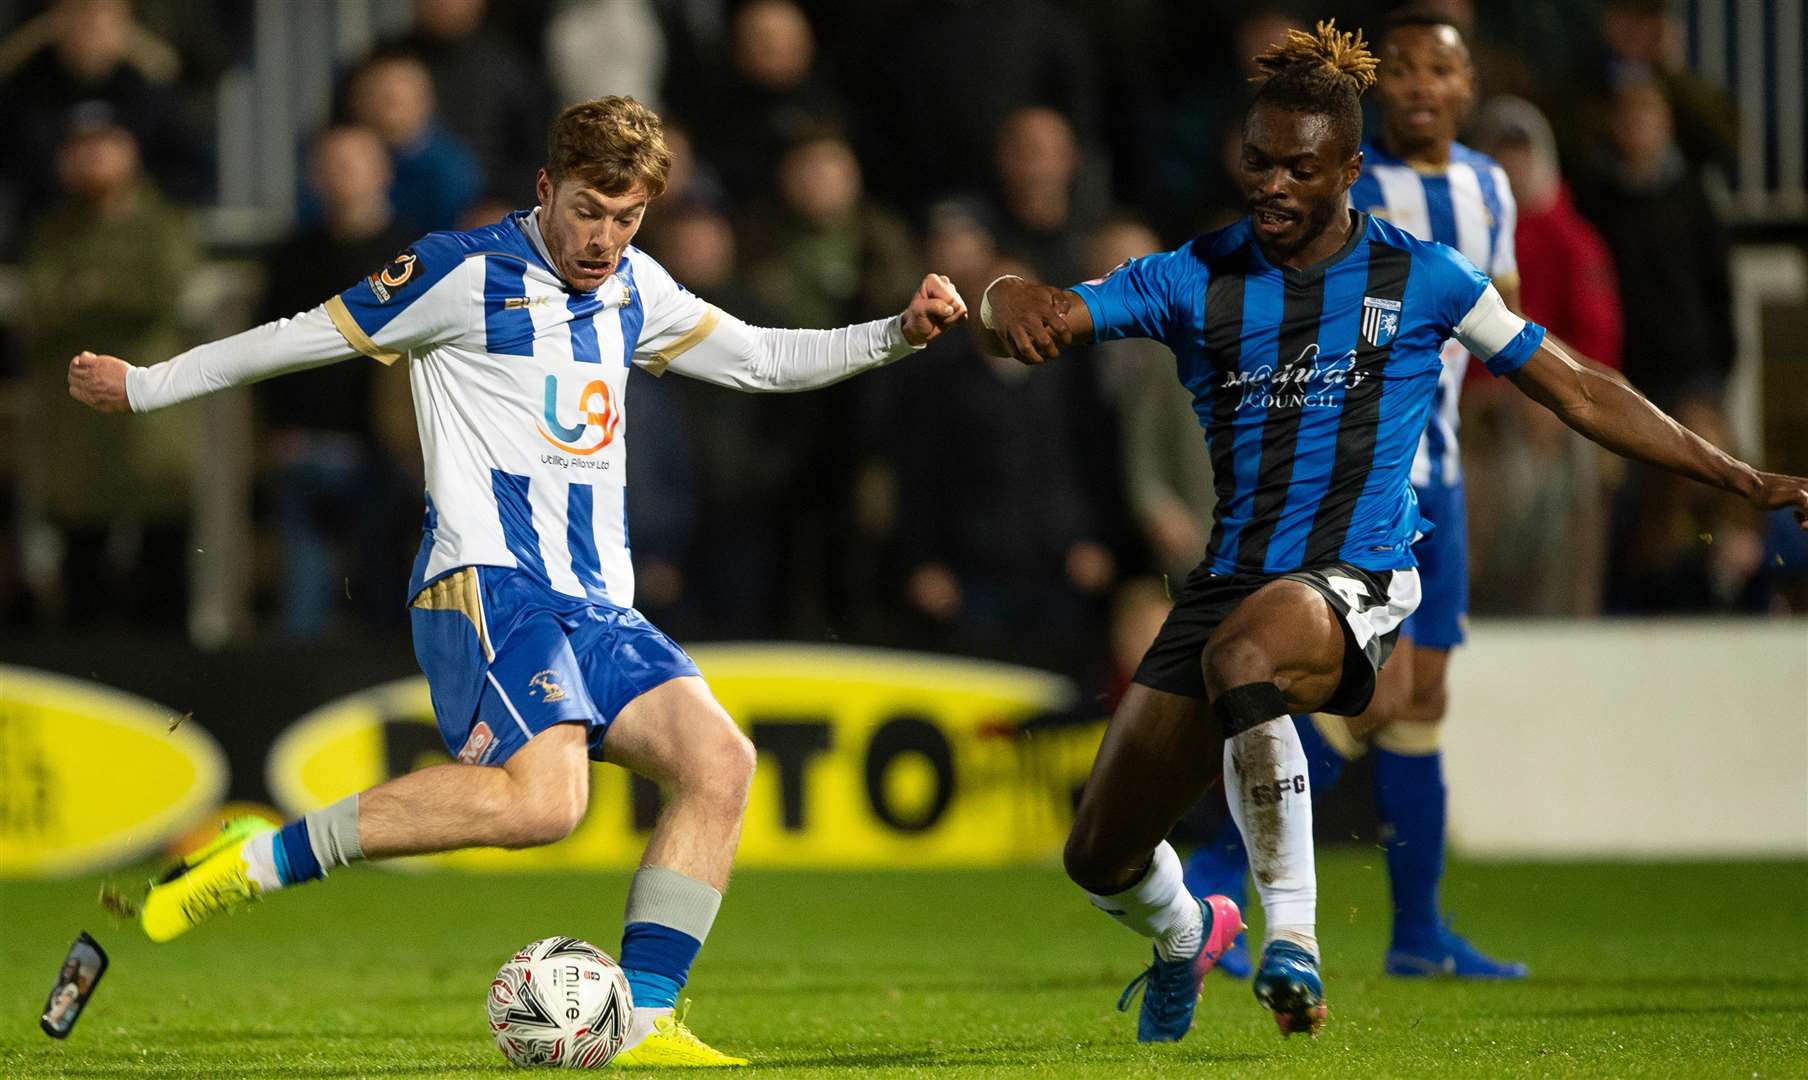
560 1002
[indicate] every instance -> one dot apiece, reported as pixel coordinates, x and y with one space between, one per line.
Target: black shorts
1370 606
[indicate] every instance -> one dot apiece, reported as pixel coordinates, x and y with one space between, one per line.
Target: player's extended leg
1155 759
1279 652
1410 798
677 735
536 797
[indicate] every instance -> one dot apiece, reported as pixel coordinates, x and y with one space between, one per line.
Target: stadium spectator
82 51
1642 40
106 265
1199 129
1167 475
831 254
1046 203
436 175
332 476
939 77
595 48
1536 494
1653 211
485 93
771 93
744 448
663 480
1677 547
995 522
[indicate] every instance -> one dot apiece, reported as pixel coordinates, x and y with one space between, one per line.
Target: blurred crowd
827 155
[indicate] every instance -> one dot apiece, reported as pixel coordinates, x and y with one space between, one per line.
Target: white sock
1159 907
259 854
640 1024
1270 798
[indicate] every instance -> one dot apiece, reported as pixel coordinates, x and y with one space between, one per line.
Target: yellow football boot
672 1045
205 883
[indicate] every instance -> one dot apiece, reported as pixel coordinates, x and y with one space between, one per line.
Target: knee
1429 703
548 806
547 817
721 768
1092 865
1235 660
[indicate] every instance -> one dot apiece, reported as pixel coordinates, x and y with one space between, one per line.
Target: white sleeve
682 333
308 340
722 349
1506 252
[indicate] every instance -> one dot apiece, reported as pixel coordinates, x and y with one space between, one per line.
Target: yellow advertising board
91 777
867 758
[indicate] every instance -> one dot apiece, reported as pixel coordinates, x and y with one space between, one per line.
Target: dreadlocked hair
1324 72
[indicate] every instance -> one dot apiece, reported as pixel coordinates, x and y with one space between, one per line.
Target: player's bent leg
1281 651
1411 800
1152 763
537 796
677 735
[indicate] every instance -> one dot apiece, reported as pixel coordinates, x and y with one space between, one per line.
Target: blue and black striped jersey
1312 385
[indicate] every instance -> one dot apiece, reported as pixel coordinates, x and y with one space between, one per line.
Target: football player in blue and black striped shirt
1419 177
1309 334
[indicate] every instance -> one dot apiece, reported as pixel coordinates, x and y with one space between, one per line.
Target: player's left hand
935 308
1776 491
99 382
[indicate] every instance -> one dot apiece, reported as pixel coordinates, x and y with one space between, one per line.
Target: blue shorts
506 658
1443 571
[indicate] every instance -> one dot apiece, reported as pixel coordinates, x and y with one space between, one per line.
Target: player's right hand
1776 492
1028 321
99 382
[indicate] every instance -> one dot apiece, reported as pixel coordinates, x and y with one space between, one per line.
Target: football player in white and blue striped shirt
1418 177
518 338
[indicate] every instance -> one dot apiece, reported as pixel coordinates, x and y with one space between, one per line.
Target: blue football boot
1171 987
1288 985
1450 956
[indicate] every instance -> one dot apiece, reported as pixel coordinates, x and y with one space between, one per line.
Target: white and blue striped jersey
1469 206
520 388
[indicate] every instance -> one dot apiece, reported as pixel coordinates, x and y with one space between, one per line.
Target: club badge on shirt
389 280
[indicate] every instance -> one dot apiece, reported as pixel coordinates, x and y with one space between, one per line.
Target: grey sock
333 833
668 898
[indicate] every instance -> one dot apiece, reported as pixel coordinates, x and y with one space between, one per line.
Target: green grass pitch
1690 970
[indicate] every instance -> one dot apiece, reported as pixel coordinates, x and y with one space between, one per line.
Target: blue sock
1218 866
657 960
1324 765
1409 797
295 861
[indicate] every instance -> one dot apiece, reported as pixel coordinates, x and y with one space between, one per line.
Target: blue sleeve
1458 286
374 301
1143 297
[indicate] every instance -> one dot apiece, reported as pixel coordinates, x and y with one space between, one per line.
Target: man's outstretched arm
110 384
1613 414
721 349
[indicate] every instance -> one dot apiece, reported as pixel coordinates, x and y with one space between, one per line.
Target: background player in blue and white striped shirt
1418 177
1310 335
519 337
